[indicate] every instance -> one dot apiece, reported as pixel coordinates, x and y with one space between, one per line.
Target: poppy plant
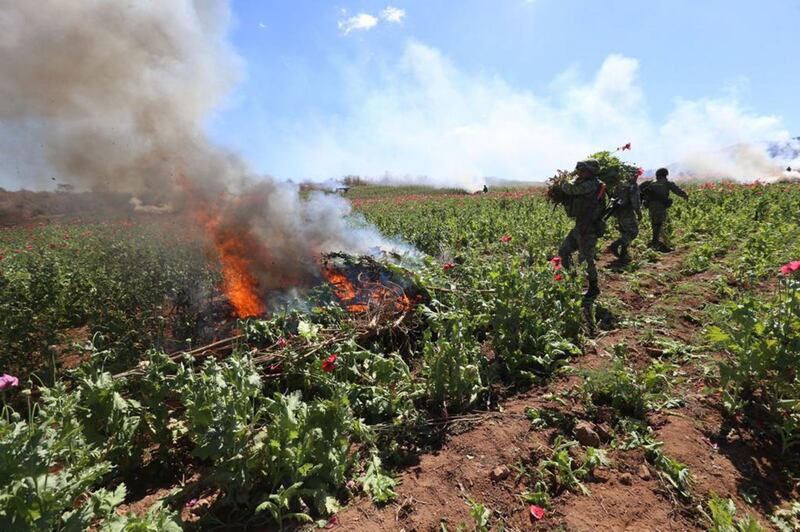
626 147
8 381
448 266
329 364
557 277
537 512
505 238
790 267
556 262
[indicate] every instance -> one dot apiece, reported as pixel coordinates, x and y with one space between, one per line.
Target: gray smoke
113 95
117 91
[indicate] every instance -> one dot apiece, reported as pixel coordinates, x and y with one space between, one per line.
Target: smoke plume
114 95
742 162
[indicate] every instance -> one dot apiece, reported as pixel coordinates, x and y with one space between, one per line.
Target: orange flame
235 247
239 284
364 294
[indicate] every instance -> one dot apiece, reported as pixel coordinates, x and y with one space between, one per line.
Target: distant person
656 196
585 194
628 210
485 189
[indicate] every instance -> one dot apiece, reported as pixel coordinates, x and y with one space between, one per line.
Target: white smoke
743 162
139 206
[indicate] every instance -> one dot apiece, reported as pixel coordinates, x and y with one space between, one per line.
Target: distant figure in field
585 205
656 197
485 189
628 212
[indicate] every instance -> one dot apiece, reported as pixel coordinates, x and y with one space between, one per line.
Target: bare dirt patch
627 495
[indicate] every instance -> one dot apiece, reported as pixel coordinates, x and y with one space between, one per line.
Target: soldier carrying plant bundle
583 199
656 196
628 211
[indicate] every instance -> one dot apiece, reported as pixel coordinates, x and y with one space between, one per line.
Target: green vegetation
722 517
303 409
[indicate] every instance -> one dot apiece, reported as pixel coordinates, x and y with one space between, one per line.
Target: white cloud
422 116
361 21
393 14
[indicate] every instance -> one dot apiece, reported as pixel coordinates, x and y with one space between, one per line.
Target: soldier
585 195
656 194
628 210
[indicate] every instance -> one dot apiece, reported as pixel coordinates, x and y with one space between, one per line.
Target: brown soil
628 495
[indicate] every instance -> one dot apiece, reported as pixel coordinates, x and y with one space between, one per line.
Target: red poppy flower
282 342
448 266
626 147
505 238
790 267
537 512
329 364
558 277
639 172
556 262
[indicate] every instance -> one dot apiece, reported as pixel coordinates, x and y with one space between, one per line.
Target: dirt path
656 310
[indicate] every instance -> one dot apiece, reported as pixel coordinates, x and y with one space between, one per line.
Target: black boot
614 248
623 253
593 292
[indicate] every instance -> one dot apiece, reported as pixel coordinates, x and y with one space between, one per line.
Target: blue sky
444 92
315 100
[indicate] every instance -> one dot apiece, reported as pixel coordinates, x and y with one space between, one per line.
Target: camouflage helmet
662 172
589 164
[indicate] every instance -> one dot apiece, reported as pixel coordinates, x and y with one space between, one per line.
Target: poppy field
132 399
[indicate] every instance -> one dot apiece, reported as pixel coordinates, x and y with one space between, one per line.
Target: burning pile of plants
365 286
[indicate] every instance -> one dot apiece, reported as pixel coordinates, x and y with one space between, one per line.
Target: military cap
589 164
662 172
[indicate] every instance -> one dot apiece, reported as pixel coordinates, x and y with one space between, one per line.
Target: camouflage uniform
585 207
628 212
658 201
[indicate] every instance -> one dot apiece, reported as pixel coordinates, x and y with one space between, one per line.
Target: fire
364 294
342 286
239 284
235 246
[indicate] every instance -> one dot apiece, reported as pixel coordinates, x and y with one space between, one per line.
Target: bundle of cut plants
613 171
